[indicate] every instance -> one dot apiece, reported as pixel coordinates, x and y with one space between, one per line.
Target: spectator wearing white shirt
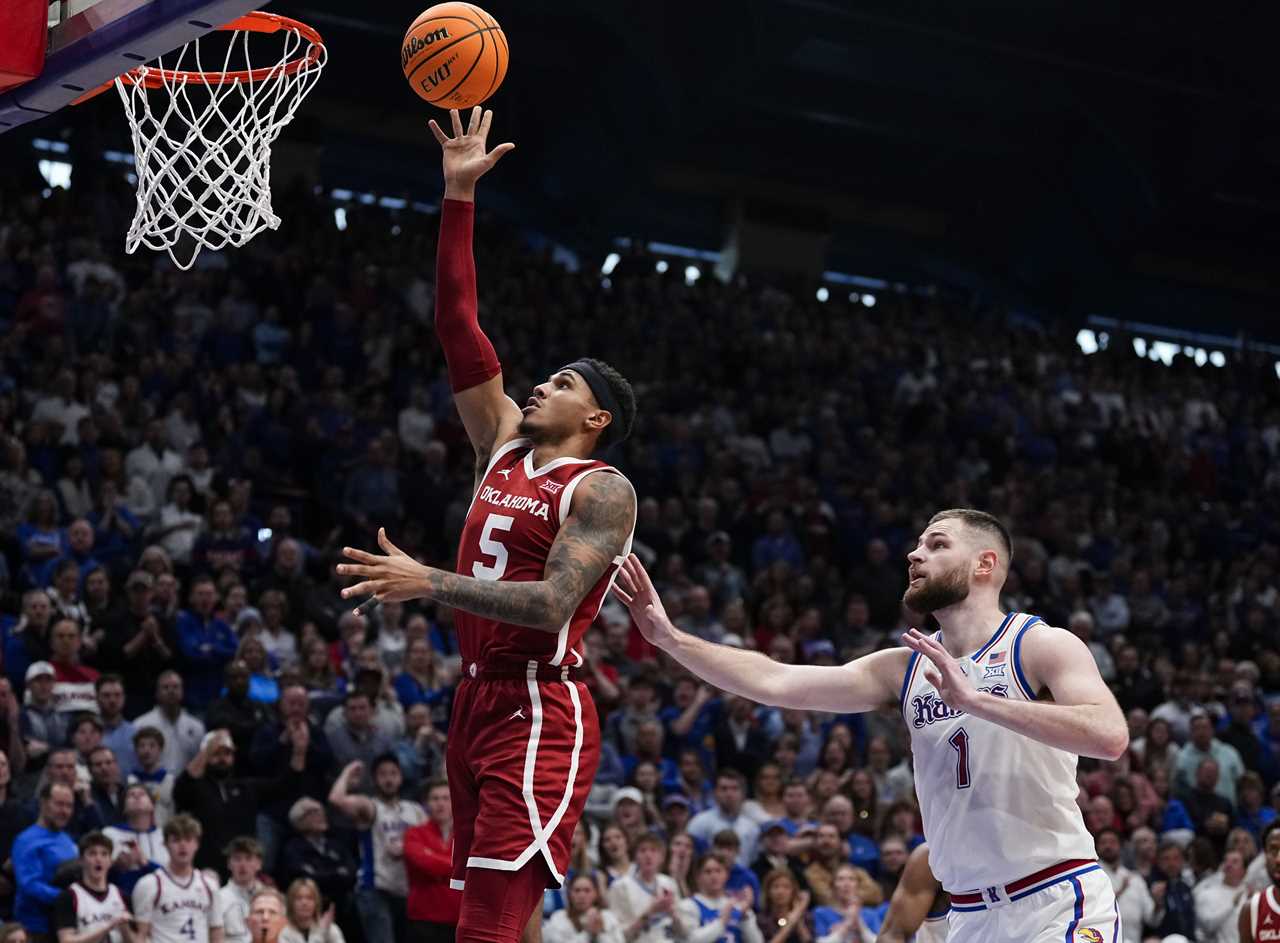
1219 898
177 526
710 915
61 408
644 901
726 813
182 732
154 461
1133 899
244 862
583 920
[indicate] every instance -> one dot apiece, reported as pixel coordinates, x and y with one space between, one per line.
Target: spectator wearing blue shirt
1253 815
777 543
79 547
207 644
117 733
37 853
419 683
27 641
727 846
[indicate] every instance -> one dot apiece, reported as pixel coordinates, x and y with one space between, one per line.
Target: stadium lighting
661 267
1087 341
56 173
340 217
1217 358
823 294
691 274
869 301
610 263
1202 357
1140 346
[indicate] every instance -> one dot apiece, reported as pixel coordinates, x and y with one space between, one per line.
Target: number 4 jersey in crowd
178 911
524 740
1006 836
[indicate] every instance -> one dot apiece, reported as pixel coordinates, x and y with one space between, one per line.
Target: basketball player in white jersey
999 706
919 905
178 903
92 910
1259 920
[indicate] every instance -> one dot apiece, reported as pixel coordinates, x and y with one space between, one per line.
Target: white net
202 141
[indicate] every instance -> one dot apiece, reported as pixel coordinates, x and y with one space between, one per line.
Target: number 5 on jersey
494 548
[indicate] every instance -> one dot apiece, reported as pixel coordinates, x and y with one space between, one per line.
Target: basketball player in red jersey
547 530
1260 915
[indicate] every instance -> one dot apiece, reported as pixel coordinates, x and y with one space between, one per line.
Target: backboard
93 41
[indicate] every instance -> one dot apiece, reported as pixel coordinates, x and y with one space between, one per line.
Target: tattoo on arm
595 532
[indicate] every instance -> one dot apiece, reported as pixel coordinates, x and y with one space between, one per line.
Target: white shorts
1078 908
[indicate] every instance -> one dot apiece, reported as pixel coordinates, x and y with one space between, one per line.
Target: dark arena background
861 261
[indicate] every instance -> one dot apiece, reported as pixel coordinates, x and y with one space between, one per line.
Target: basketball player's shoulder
604 499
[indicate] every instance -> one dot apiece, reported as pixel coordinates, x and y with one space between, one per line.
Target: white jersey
997 805
178 911
92 910
378 867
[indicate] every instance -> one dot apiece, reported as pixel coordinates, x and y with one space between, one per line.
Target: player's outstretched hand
635 589
397 577
466 157
945 674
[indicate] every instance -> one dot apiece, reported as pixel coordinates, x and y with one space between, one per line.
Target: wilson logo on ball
416 44
454 55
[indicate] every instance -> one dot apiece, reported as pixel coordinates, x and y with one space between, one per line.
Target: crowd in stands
182 455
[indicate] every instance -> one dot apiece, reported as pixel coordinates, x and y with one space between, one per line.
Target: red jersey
513 521
1264 916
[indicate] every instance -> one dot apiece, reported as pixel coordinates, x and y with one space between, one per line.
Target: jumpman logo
519 713
505 473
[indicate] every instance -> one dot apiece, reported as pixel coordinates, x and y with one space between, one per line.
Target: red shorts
521 759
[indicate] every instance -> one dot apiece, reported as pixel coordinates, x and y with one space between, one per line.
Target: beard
937 592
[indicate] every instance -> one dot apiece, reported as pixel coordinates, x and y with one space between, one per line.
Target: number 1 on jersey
493 548
960 741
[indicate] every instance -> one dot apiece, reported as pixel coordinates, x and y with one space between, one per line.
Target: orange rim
257 22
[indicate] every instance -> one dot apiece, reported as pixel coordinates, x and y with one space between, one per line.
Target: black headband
603 393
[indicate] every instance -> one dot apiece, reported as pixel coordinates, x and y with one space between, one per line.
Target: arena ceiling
1078 157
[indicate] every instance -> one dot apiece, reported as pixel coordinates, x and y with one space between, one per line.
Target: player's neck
573 447
968 625
96 884
181 872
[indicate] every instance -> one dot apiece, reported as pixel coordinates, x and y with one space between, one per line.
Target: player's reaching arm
489 415
1081 716
1244 923
599 524
861 685
912 899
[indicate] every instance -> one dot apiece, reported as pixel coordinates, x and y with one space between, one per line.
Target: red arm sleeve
468 352
422 858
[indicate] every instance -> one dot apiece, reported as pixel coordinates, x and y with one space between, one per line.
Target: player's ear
599 419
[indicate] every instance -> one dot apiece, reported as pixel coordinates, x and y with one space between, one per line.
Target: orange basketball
454 55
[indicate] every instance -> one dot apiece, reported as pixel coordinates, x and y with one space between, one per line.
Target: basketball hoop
203 153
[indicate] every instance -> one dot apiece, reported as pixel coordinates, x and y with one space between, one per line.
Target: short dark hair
1107 830
726 838
86 718
94 839
980 520
1271 827
730 773
149 733
355 693
434 784
383 758
621 389
108 678
243 845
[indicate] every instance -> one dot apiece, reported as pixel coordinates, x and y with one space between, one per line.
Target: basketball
454 55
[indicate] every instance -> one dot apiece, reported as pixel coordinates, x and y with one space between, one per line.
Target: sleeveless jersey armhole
1019 677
